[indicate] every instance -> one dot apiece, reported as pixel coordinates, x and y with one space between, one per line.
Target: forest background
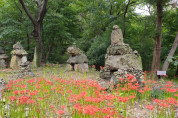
89 23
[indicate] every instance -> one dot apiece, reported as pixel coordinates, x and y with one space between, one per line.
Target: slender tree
171 53
37 25
157 45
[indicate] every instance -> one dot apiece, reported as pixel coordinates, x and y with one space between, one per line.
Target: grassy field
56 93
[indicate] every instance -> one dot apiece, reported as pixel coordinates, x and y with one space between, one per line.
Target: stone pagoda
19 55
77 60
3 58
120 60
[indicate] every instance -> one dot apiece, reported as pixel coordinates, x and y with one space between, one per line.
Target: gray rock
81 67
78 59
105 75
19 55
126 61
1 51
121 60
73 50
17 46
69 67
119 49
116 36
3 58
25 70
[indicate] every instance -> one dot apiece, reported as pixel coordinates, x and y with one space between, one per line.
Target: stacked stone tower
120 60
3 58
77 60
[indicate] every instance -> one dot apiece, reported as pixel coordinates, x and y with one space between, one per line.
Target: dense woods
53 25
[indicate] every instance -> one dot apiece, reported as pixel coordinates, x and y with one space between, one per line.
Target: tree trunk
125 18
176 74
28 42
39 46
157 46
37 24
171 53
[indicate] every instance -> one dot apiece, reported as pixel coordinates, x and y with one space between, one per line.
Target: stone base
69 67
81 67
2 63
112 77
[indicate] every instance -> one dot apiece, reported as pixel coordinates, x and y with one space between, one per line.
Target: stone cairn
19 61
120 61
77 60
3 58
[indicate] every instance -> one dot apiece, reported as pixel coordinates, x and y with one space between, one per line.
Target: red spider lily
150 107
171 90
168 85
132 97
109 97
60 112
157 101
171 101
30 101
52 106
40 98
169 82
101 67
141 91
31 81
123 99
12 98
121 79
133 80
72 100
78 107
23 99
16 92
129 77
164 105
176 95
54 88
49 82
94 66
69 91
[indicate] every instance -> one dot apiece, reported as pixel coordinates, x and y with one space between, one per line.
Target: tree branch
27 12
43 11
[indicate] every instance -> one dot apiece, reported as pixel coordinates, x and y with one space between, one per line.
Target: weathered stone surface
73 50
2 63
3 56
105 75
69 67
17 46
126 61
1 51
120 61
14 63
116 36
81 67
25 70
19 52
19 55
78 59
119 49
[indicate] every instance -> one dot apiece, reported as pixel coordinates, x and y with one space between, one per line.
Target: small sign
161 72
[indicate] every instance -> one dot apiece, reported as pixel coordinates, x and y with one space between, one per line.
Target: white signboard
161 72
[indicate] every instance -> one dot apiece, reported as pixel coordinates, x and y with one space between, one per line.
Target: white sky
142 10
